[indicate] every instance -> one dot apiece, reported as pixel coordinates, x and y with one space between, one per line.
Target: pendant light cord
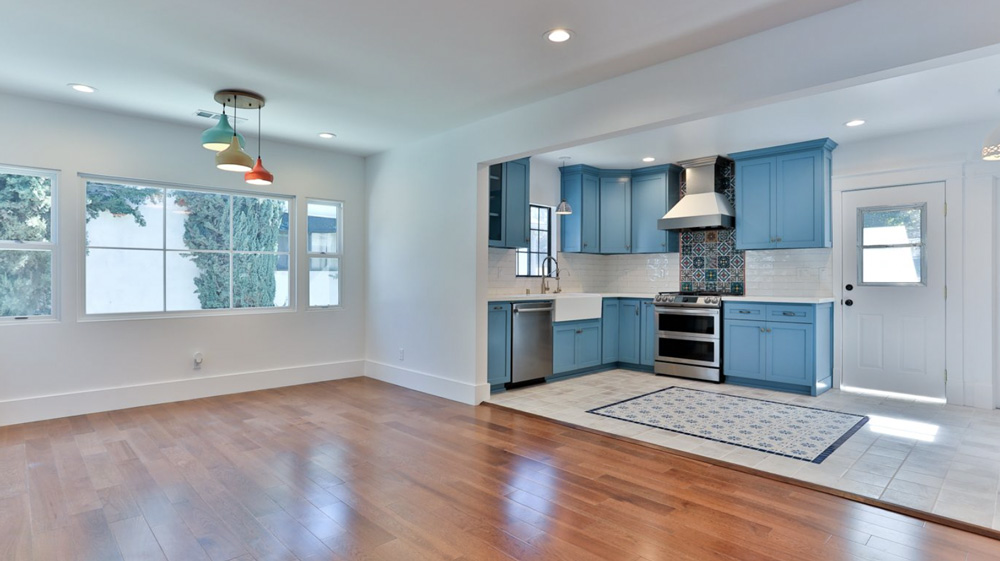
258 132
236 99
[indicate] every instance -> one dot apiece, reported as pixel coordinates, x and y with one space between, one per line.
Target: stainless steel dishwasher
531 339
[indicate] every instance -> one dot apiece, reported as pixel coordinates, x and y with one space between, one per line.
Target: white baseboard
454 390
31 409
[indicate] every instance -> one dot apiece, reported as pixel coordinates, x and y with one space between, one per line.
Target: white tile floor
942 459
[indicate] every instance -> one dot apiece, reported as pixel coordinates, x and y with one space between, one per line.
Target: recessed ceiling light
558 35
855 123
327 135
83 88
648 159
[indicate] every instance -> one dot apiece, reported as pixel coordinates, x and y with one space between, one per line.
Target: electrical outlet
401 353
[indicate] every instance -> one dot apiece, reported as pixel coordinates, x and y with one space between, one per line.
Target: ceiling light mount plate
241 99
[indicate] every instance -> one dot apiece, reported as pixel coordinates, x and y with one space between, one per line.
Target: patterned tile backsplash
710 261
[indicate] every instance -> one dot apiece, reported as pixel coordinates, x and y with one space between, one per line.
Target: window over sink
530 260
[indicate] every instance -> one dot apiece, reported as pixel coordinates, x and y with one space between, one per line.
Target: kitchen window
27 244
891 245
154 249
324 246
529 261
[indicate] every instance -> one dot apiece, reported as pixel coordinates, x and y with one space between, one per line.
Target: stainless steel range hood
704 205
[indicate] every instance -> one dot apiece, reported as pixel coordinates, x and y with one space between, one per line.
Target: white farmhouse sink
570 307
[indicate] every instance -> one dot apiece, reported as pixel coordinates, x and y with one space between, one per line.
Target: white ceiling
378 73
960 93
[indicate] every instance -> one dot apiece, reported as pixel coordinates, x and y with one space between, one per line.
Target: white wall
428 252
72 366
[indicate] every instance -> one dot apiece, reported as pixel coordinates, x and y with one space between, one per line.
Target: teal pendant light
219 137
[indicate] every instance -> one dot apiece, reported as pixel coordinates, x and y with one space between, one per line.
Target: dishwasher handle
531 310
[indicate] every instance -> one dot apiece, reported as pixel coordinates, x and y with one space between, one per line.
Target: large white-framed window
324 245
28 244
159 249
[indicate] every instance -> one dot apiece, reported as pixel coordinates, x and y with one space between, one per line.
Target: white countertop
762 299
780 299
550 296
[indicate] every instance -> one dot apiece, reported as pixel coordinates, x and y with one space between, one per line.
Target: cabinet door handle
768 329
743 311
584 245
579 331
762 330
792 314
777 239
637 310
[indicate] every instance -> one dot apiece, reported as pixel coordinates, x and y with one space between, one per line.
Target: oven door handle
714 312
682 336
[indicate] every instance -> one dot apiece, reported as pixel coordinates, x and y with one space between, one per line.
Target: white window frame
51 246
338 255
292 263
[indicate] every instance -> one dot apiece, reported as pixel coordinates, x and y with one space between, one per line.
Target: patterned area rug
793 431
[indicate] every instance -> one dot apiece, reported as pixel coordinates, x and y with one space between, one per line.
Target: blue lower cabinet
629 330
576 345
498 343
647 341
791 351
790 348
744 349
609 331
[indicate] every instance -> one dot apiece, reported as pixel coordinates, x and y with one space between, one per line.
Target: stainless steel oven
688 336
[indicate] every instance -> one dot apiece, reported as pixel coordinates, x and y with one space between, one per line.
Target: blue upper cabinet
616 214
509 196
654 192
578 232
783 196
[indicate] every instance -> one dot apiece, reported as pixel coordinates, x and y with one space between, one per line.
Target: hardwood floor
358 469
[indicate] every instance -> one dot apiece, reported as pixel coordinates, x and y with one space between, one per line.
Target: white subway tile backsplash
783 272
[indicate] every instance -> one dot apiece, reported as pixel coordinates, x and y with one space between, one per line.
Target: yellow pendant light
234 158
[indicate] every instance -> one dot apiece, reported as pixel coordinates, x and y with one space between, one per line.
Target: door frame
952 177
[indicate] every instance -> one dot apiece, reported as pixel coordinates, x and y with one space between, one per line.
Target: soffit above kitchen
939 97
377 73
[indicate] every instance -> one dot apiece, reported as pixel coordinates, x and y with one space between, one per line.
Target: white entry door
894 289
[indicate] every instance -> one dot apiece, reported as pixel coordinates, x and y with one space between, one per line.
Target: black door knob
849 287
848 302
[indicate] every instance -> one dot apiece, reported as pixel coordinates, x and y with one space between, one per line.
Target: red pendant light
259 174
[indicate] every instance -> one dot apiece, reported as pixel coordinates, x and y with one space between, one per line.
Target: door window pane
891 245
25 283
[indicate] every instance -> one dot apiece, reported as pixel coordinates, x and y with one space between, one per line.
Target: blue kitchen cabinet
609 331
629 330
508 206
498 343
576 345
647 341
744 349
790 348
786 347
654 191
616 214
579 232
783 196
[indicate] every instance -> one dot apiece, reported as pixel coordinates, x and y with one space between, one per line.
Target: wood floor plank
361 470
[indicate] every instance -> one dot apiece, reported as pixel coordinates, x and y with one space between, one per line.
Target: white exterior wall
74 366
